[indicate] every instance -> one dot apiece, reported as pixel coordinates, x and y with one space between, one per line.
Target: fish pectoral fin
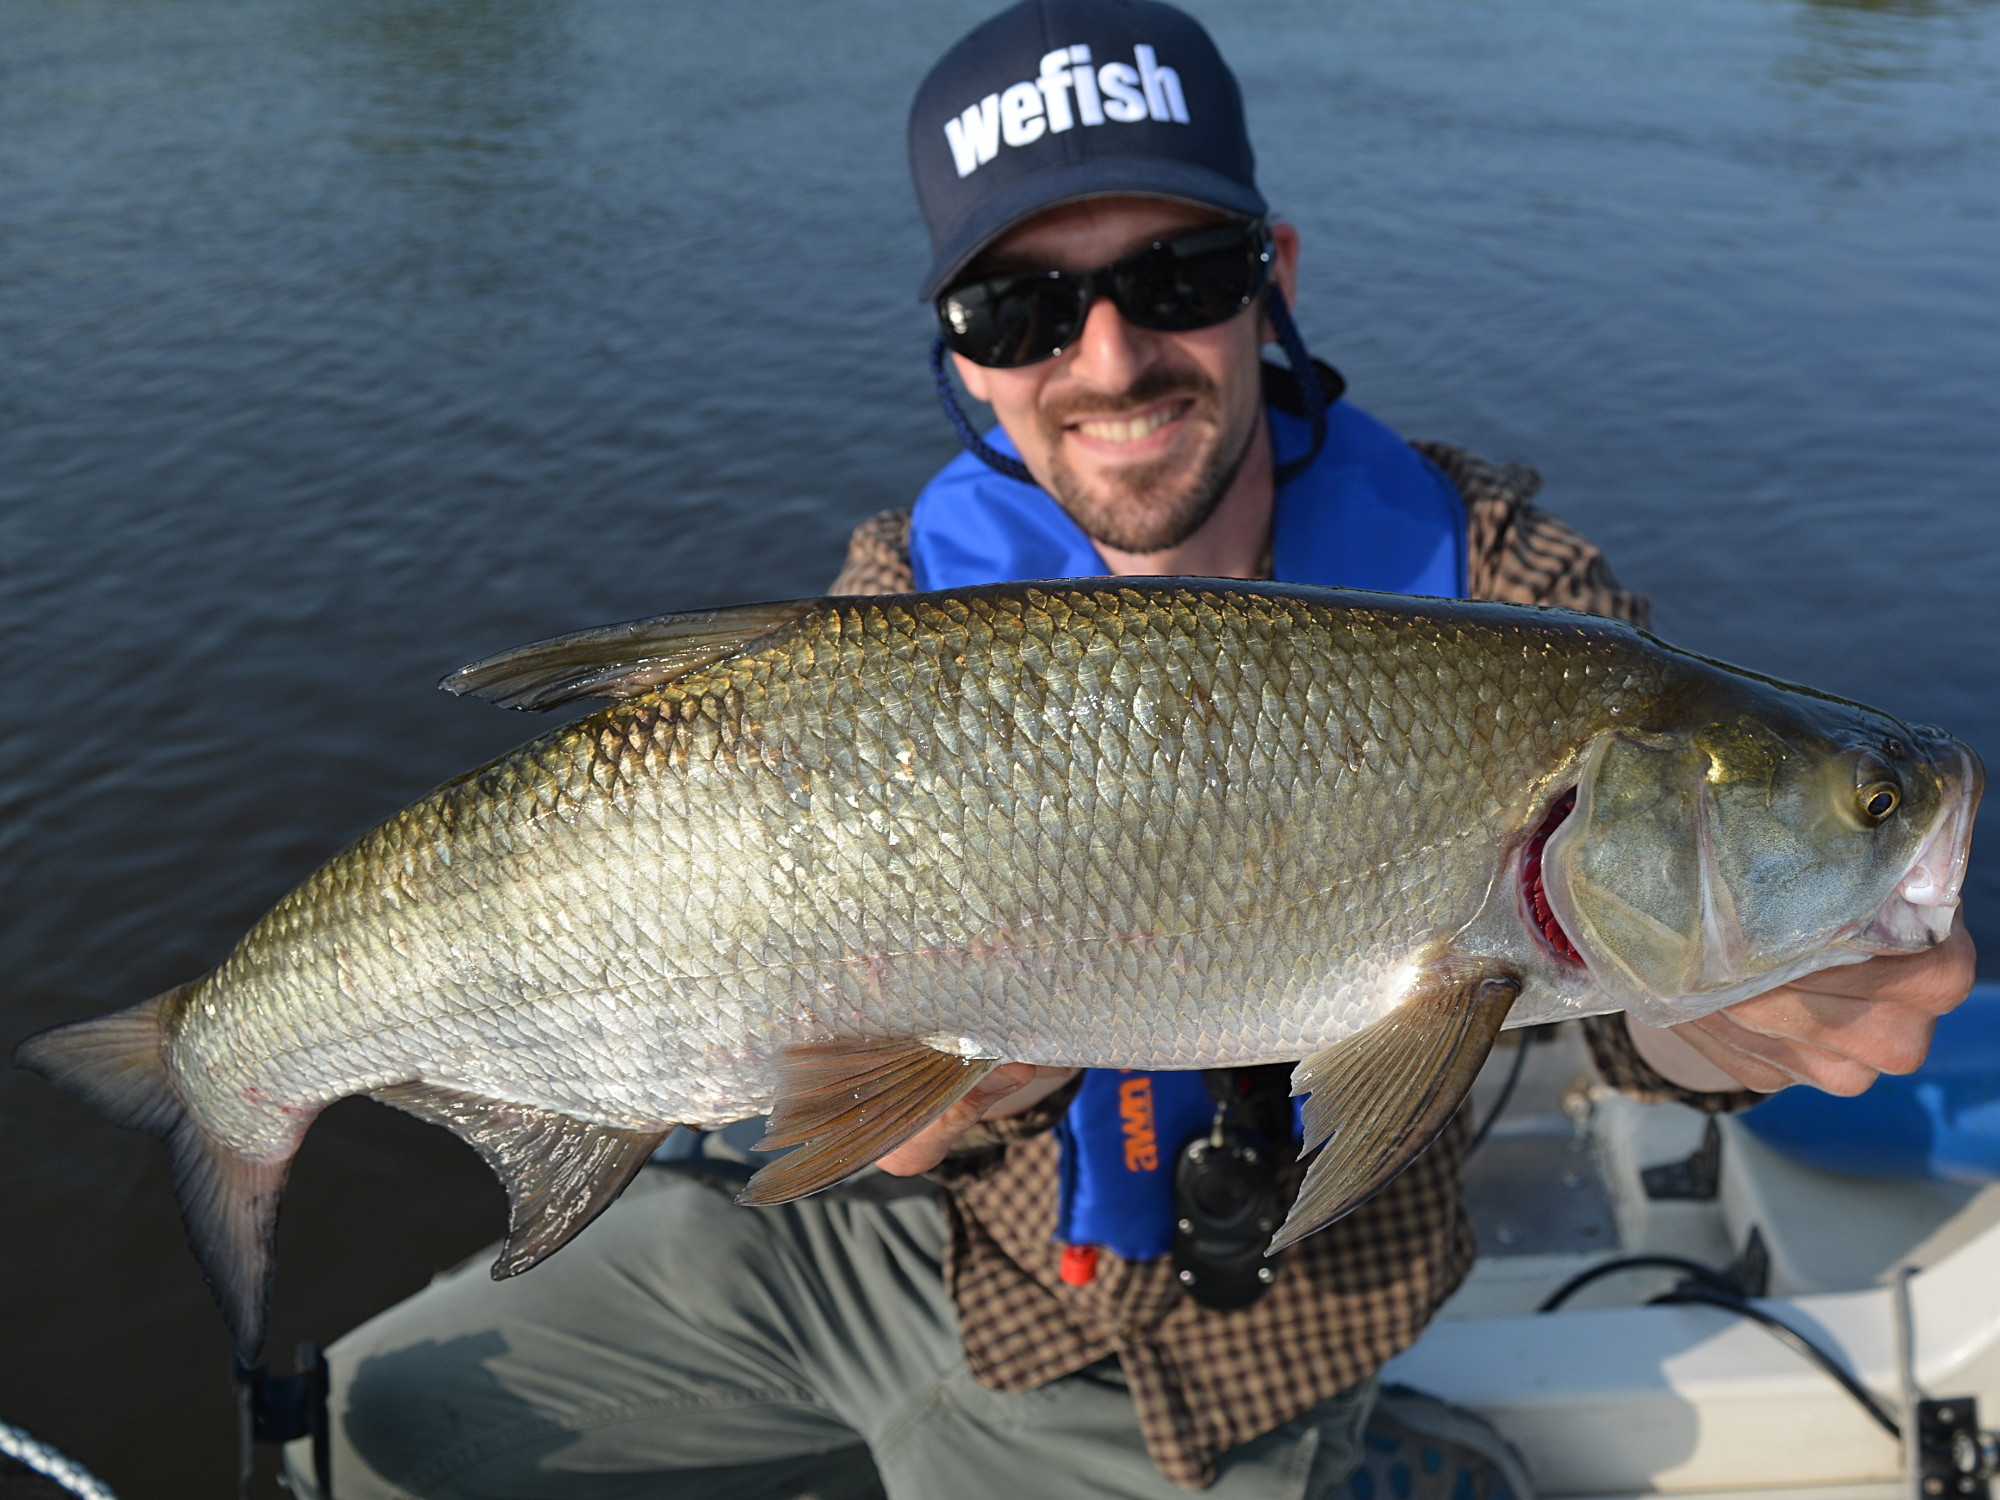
1383 1094
228 1201
842 1104
622 661
560 1172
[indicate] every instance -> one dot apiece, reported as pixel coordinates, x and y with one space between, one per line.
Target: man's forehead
1088 233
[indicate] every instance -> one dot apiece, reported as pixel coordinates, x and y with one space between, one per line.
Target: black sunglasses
1194 280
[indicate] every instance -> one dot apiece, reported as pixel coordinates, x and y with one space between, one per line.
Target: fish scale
833 859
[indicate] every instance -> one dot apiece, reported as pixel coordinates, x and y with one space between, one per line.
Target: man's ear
973 377
1284 269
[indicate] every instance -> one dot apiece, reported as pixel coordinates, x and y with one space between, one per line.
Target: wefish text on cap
1107 93
1053 101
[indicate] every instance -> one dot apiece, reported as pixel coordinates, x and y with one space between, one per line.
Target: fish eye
1878 799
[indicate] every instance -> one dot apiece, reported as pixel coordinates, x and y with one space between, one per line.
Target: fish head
1718 859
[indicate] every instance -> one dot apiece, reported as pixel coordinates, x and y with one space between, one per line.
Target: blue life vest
1370 513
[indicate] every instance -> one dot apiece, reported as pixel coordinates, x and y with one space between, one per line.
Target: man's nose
1109 353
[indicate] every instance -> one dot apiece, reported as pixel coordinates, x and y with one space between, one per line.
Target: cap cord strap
1311 392
976 445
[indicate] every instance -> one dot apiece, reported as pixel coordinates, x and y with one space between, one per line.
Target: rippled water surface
343 342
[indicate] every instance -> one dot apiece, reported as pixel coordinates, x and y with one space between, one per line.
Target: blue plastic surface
1941 1121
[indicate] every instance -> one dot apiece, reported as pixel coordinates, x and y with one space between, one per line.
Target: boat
1715 1276
1667 1302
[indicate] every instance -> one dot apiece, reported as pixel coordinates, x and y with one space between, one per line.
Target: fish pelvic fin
623 661
842 1104
560 1172
1379 1097
228 1200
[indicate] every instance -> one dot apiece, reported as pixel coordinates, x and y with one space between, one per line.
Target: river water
342 343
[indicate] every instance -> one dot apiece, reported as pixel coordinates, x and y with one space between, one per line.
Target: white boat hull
1614 1400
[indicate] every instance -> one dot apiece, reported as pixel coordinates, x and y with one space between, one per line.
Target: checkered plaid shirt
1347 1298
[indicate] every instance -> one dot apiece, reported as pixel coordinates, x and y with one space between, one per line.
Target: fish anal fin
560 1172
1379 1097
623 661
228 1200
842 1104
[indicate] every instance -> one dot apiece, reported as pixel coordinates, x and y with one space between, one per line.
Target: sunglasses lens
1009 321
1196 281
1174 292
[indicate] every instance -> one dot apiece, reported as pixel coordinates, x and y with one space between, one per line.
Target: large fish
834 859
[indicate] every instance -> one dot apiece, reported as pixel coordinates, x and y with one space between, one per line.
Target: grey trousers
685 1347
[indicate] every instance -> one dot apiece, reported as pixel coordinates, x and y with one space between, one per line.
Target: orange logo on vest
1135 1114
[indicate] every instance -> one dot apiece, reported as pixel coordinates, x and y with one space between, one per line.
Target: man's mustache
1153 385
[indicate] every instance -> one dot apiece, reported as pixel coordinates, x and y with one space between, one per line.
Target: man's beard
1146 507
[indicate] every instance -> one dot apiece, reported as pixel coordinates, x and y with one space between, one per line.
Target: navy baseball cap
1053 101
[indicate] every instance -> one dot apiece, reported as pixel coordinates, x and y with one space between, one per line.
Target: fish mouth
1540 916
1919 913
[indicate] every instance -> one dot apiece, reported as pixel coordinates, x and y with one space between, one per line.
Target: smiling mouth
1131 429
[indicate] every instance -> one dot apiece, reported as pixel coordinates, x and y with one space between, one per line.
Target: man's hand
1838 1029
1009 1089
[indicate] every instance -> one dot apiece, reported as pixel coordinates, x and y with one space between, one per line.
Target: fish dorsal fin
559 1172
842 1104
622 661
1383 1094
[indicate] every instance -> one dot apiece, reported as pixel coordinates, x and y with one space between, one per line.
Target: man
1106 278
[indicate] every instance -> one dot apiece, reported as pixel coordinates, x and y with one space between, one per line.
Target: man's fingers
1750 1071
928 1146
1839 1028
990 1090
1768 1062
1934 980
1884 1036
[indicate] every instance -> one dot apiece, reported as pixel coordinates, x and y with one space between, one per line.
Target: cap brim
1104 177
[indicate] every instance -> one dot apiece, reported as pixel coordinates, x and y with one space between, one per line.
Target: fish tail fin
117 1064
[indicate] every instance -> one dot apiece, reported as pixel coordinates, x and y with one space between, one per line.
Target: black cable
243 1381
1708 1287
1506 1095
1707 1275
1689 1294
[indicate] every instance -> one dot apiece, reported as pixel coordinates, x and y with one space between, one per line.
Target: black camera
1225 1210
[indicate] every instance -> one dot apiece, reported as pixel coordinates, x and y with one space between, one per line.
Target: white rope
43 1459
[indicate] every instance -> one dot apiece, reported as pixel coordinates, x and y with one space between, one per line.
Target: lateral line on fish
464 1011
